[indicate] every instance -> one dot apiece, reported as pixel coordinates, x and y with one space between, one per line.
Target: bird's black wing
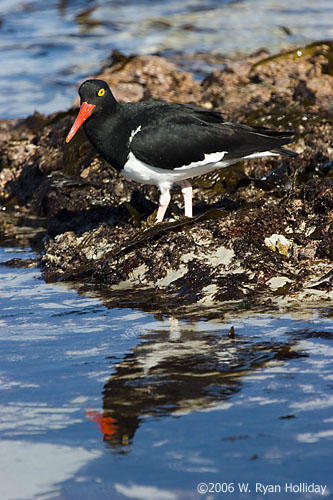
244 141
174 140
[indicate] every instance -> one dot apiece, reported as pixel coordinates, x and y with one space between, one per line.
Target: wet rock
99 225
149 77
18 263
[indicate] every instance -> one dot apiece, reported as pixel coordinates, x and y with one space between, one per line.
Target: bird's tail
282 137
285 152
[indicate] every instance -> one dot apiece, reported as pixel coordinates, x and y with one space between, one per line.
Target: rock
261 235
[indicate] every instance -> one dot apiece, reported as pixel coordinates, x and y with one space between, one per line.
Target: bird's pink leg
187 194
163 204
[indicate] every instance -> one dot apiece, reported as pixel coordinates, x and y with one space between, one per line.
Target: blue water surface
117 403
47 48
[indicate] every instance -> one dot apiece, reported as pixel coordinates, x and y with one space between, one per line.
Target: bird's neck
106 132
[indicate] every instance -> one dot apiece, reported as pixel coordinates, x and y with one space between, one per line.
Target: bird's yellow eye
101 92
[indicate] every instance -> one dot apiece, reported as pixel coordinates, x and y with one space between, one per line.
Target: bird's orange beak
84 113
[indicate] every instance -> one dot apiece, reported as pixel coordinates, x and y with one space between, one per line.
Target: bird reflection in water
176 371
107 425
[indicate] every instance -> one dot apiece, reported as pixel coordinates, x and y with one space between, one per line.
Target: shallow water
102 403
48 47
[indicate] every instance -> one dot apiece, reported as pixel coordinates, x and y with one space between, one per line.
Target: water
102 403
48 47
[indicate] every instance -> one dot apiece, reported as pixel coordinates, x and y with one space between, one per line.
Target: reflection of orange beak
84 113
107 425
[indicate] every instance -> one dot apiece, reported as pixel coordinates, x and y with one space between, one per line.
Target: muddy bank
262 231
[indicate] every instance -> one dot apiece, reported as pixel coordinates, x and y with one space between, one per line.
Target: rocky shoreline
262 231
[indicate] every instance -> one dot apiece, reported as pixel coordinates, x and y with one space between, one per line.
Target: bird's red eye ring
101 92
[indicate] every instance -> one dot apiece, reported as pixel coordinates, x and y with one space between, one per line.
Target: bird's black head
96 98
97 92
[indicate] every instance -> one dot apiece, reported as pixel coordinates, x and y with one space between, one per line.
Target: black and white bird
164 143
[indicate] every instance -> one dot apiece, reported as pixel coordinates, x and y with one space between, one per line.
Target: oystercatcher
163 143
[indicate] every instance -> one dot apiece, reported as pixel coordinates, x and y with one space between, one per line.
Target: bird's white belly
140 171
